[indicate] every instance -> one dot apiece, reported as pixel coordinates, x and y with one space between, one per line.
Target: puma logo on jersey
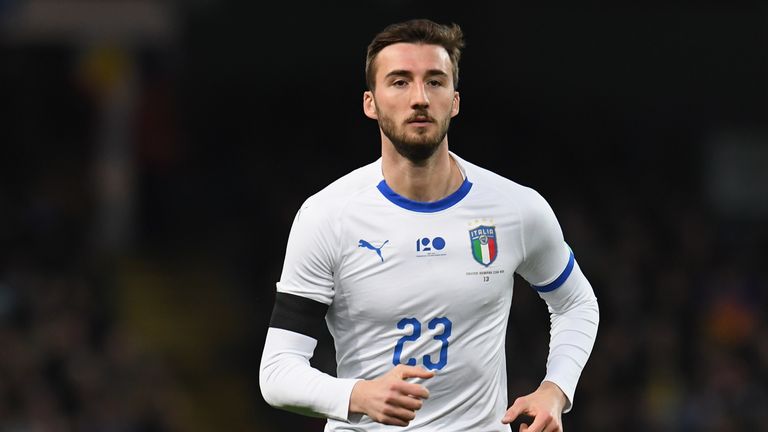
365 244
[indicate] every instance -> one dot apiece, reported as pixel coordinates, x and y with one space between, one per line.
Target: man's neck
431 181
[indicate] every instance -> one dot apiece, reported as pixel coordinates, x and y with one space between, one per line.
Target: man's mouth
420 120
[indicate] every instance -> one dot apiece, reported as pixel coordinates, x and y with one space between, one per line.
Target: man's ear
369 105
456 103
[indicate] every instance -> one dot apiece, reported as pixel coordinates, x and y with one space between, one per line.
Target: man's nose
419 97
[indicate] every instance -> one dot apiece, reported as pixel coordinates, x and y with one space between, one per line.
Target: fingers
400 410
412 389
404 372
511 415
397 416
538 425
542 423
408 402
517 408
391 399
393 421
543 407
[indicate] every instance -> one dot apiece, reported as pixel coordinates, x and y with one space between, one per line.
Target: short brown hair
423 31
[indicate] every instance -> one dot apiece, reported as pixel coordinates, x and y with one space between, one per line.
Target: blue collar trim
425 207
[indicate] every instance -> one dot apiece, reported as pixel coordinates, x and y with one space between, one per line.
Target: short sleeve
309 256
546 256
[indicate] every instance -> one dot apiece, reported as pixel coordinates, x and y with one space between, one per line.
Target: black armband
299 314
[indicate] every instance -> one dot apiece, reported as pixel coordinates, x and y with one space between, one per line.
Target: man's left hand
545 406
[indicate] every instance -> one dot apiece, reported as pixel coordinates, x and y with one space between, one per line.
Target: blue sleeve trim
555 284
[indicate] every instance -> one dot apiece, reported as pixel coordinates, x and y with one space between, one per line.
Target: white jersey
425 284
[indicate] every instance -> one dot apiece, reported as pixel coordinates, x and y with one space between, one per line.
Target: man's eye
435 83
399 83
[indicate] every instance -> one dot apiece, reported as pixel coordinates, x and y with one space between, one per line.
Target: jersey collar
425 207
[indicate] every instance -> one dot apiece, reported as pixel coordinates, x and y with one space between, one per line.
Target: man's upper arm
308 266
547 258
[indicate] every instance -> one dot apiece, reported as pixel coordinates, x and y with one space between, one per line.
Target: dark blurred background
153 154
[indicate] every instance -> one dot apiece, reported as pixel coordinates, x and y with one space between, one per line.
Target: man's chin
420 138
417 150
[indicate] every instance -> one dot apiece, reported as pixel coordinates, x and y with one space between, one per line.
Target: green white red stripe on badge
484 248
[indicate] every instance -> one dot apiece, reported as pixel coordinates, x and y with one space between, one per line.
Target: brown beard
416 149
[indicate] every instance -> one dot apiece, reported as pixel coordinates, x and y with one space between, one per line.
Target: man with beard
410 260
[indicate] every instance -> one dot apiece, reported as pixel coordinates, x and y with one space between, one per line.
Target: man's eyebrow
399 72
407 73
438 72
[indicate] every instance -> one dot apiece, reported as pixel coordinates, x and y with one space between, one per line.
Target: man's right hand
389 399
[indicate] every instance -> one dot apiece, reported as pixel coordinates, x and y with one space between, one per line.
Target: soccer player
410 261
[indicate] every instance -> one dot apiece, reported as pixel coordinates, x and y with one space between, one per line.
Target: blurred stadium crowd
142 231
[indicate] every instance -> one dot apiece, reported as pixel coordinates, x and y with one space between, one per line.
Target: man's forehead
413 57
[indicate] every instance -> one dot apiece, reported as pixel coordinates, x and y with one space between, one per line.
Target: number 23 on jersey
441 334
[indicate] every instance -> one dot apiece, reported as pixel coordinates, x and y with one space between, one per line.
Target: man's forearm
288 381
575 316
